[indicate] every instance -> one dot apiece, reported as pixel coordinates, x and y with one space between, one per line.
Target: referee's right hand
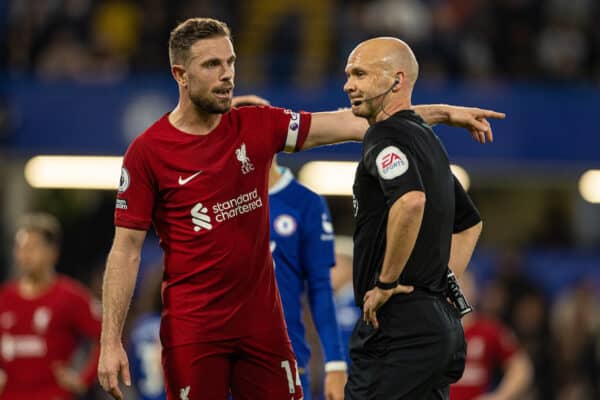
113 360
376 297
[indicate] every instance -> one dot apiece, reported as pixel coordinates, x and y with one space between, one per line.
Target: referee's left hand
375 298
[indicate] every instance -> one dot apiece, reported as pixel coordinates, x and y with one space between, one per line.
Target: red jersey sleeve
86 320
286 129
505 343
135 198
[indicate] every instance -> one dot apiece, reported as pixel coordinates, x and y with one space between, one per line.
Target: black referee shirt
402 154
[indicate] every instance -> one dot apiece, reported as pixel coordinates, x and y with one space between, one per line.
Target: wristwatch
386 285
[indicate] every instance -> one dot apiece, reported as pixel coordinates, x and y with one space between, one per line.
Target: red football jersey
38 332
207 197
489 346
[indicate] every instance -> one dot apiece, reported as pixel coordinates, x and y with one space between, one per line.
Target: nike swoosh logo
189 178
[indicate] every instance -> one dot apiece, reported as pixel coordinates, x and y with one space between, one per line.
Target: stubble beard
210 106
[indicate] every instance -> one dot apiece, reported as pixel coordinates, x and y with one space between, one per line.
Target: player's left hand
375 298
475 120
68 378
334 385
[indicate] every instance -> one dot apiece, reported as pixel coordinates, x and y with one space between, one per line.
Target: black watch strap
386 285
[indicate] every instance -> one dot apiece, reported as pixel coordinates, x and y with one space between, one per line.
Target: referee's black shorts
417 352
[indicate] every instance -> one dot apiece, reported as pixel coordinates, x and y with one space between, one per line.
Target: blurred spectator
43 317
144 346
490 346
341 279
576 330
454 39
272 29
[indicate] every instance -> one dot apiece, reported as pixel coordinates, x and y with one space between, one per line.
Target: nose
228 73
349 86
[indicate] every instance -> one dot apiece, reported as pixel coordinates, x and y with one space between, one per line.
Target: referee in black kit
413 220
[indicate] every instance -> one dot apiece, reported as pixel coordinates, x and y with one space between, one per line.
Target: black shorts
417 352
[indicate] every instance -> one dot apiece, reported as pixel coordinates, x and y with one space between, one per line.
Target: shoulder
72 288
397 130
302 197
8 288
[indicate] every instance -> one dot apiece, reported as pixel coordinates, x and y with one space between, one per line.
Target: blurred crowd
307 42
96 41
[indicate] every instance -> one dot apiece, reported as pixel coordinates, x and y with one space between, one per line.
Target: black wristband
386 285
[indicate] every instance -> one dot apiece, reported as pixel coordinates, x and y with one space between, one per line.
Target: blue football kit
302 243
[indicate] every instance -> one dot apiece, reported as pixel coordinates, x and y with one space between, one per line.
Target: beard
208 104
365 110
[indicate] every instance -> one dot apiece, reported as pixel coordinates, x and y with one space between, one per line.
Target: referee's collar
284 180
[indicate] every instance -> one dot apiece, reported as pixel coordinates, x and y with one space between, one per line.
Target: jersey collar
284 180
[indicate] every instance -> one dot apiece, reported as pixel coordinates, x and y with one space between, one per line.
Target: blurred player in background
144 346
43 317
199 174
303 252
302 247
491 346
341 279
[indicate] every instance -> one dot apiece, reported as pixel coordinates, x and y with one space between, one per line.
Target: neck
31 285
387 109
274 176
188 118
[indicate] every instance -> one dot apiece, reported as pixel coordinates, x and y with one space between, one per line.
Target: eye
212 63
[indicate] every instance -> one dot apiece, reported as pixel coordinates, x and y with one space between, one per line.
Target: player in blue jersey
144 343
341 280
303 252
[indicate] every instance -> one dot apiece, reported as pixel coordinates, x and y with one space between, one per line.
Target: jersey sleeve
135 197
86 321
505 343
288 129
317 252
466 214
392 162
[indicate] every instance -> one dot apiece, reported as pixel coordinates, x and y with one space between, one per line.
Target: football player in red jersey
199 175
490 346
43 316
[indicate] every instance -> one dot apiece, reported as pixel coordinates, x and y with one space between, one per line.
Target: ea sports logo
391 163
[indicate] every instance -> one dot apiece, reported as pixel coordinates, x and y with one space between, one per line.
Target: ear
398 81
180 74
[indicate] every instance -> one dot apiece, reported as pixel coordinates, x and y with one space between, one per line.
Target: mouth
223 93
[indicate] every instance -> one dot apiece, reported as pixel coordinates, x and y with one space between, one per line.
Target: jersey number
285 364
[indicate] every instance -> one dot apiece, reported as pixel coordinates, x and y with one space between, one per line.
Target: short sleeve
289 128
86 315
135 197
466 214
317 238
393 164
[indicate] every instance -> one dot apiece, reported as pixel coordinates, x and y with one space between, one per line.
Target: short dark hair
45 224
189 32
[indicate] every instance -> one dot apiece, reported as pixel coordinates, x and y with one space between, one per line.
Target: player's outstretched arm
119 281
473 119
341 126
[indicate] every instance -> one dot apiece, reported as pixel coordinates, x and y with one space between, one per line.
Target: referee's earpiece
396 81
